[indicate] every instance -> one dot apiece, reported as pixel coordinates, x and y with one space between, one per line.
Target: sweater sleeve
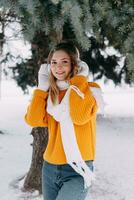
82 110
36 115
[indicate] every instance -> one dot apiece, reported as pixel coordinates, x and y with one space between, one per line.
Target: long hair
73 53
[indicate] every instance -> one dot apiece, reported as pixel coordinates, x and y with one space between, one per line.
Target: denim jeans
61 182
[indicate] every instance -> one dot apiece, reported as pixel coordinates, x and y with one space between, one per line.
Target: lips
60 73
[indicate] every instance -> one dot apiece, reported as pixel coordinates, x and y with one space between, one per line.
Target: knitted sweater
83 115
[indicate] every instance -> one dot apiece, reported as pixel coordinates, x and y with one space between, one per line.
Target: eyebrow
61 59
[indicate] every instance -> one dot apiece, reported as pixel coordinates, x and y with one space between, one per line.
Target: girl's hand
83 68
43 77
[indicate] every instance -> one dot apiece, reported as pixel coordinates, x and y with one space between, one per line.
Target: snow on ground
115 135
115 160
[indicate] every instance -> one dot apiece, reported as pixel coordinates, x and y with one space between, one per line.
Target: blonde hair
73 53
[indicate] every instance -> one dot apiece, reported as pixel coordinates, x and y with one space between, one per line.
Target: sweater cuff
80 81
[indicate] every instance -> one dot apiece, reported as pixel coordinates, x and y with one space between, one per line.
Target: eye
53 62
65 61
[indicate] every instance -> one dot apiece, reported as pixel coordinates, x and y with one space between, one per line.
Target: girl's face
60 65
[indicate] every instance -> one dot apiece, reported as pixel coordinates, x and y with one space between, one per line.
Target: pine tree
84 21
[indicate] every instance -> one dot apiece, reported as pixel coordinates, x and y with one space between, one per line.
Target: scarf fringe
82 169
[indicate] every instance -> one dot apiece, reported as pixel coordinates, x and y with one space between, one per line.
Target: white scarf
61 113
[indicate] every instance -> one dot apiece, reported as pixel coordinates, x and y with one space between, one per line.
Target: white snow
114 165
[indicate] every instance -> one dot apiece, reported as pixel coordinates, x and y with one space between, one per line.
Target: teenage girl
65 103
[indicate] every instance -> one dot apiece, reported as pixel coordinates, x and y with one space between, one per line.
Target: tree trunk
33 178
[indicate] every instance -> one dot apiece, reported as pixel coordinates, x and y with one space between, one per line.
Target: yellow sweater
83 115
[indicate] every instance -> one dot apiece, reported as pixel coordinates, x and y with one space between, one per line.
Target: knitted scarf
61 114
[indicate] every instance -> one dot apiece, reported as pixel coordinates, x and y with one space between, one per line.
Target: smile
60 73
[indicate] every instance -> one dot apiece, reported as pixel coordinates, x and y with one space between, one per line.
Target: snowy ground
114 165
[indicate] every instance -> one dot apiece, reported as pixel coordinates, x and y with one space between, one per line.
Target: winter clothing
83 115
71 123
43 77
61 113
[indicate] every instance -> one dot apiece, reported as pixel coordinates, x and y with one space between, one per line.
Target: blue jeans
61 182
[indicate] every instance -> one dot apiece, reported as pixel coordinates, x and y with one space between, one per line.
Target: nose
59 66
